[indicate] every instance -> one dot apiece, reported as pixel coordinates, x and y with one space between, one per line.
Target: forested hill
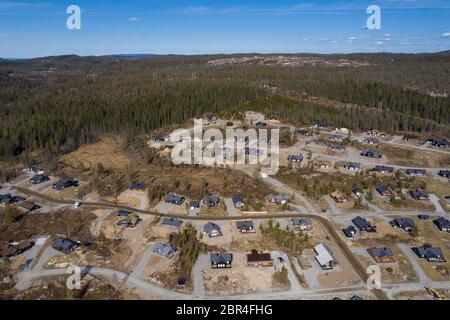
58 103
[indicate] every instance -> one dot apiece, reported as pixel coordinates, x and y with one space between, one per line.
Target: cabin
372 154
65 245
358 192
406 224
260 124
383 169
304 132
172 223
371 140
352 166
423 217
336 137
382 255
29 206
138 186
429 253
278 199
130 221
245 226
194 205
441 144
363 225
338 147
301 224
65 183
174 199
211 201
158 138
349 232
123 213
295 159
416 172
39 178
444 173
320 125
339 197
221 260
383 191
164 250
31 168
419 194
238 201
6 199
324 257
259 259
212 230
375 133
410 138
442 224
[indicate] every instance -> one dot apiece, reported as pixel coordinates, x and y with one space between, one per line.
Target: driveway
423 278
435 201
289 191
332 204
295 285
140 266
230 207
202 263
99 222
165 207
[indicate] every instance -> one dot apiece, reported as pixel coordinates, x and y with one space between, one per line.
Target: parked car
77 204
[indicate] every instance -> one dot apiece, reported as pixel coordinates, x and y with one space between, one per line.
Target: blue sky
33 28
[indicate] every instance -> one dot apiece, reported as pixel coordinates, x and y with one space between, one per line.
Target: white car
77 204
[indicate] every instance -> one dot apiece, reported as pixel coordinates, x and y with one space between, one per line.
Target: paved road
230 208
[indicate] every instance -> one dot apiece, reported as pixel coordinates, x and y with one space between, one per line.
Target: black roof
360 222
244 224
221 257
64 244
441 222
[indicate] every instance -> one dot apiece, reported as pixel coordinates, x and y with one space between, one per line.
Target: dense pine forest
59 103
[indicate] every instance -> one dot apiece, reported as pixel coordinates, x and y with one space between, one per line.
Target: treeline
354 117
59 103
64 116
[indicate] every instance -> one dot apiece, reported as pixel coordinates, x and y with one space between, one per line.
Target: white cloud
379 42
22 5
134 19
446 35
